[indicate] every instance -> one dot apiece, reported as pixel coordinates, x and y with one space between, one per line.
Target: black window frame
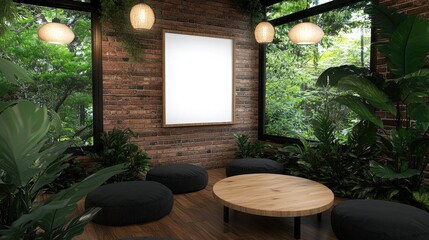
92 7
316 10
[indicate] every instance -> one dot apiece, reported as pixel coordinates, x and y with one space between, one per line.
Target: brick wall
132 91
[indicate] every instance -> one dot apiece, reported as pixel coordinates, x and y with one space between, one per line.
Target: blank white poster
198 80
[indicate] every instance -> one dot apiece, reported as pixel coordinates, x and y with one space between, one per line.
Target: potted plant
405 44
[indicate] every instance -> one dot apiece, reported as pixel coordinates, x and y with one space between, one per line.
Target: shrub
117 148
246 149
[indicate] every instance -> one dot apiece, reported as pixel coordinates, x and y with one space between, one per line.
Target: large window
65 78
291 97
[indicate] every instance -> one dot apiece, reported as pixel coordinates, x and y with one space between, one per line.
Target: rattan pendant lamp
142 17
56 32
264 31
306 33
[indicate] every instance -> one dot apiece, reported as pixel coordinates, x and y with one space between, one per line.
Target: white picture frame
199 79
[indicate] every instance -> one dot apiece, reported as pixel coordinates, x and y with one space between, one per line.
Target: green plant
343 167
28 163
117 149
252 8
405 148
116 13
7 14
75 172
246 149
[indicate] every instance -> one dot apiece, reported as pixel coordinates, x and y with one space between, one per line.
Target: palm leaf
408 46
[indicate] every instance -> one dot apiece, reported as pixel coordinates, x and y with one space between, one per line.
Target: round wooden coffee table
274 195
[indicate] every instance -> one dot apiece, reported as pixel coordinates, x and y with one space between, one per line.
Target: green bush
246 149
75 172
117 149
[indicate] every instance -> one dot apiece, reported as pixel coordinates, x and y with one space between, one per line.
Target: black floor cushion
379 220
253 165
179 177
129 203
146 238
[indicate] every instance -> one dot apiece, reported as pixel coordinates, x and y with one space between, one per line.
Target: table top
275 195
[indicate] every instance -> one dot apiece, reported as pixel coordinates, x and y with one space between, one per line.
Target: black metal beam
312 11
272 2
66 4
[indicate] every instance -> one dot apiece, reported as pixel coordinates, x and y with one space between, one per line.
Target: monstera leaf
12 72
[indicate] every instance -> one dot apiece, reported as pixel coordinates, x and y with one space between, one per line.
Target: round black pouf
146 238
179 177
379 220
253 165
129 203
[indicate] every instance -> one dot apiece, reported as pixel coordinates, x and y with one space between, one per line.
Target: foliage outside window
292 100
62 73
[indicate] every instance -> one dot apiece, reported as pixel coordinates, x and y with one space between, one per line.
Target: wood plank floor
198 216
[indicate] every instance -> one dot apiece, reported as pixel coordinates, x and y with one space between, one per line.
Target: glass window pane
62 73
288 7
292 99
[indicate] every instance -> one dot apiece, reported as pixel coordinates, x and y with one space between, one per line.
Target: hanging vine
116 13
252 8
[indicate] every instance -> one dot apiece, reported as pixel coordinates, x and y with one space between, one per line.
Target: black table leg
225 214
319 217
297 227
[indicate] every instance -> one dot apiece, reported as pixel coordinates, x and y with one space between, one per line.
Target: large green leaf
368 91
420 113
387 172
73 194
422 197
415 86
19 228
12 72
76 226
384 19
331 76
51 171
408 46
23 130
356 105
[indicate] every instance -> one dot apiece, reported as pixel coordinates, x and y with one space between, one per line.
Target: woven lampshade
306 33
56 32
142 17
264 32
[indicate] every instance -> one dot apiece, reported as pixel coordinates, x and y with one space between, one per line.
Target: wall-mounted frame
199 75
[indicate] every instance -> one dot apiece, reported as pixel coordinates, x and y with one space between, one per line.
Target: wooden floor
198 216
